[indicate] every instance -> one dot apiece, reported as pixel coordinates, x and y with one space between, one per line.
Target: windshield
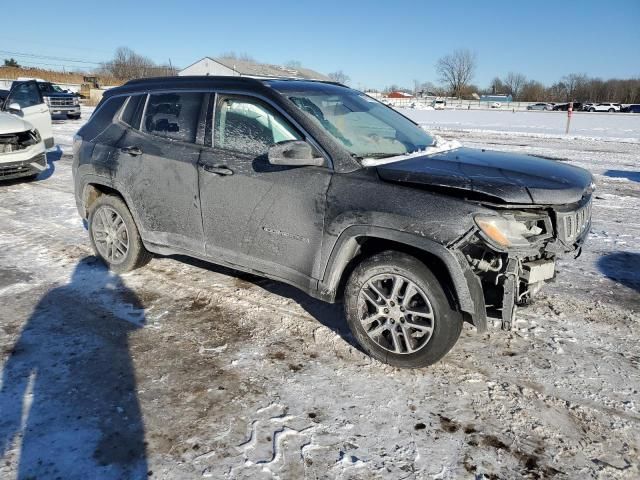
362 125
49 87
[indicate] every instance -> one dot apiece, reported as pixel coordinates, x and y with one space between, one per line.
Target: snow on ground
186 370
619 126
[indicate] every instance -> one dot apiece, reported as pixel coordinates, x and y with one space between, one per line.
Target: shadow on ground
68 397
622 267
628 174
329 315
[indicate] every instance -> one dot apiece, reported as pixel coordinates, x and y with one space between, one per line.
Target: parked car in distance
632 108
322 187
496 105
540 106
439 104
604 107
22 150
25 101
60 102
565 107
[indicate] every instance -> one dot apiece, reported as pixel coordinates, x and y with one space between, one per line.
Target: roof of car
209 81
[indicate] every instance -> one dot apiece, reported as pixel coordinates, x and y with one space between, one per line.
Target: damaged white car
25 132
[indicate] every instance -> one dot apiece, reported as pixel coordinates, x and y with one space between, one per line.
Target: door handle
219 170
133 151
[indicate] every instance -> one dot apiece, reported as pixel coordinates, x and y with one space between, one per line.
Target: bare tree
339 77
244 56
574 85
127 64
456 70
515 83
294 64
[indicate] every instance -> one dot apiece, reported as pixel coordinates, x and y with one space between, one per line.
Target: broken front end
513 252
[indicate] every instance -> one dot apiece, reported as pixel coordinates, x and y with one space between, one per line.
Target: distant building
242 68
498 97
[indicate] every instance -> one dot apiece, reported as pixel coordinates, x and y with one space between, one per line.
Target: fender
467 288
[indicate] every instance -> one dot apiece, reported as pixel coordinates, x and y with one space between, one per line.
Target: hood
10 123
57 94
507 177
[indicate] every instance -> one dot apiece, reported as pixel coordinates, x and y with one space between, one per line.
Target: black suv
322 187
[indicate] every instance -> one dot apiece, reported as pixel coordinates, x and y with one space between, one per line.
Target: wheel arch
93 187
359 242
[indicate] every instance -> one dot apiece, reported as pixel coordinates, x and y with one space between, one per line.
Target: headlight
36 135
47 100
507 231
76 101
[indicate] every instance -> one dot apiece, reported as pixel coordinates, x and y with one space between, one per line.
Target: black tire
136 255
592 109
611 110
73 117
447 322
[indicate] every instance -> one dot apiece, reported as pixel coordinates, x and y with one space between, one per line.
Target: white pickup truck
25 132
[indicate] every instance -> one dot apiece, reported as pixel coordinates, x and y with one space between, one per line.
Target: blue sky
376 43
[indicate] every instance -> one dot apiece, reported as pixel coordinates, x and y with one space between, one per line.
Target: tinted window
101 118
132 111
173 115
248 126
25 95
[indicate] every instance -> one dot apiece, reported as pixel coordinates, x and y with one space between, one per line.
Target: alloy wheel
396 313
110 235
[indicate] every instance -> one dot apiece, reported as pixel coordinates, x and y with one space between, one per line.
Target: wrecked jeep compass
322 187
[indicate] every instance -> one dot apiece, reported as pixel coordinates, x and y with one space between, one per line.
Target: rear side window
173 115
102 117
132 111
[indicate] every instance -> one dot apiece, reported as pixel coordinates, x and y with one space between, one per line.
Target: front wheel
398 311
611 110
592 109
114 235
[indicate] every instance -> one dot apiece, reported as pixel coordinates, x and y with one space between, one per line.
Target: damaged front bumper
501 279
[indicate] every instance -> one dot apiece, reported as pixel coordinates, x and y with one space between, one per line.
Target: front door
27 96
257 215
157 163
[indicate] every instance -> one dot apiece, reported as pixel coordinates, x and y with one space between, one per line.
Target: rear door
157 164
33 109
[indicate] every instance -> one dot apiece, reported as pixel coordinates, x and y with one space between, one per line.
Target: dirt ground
186 370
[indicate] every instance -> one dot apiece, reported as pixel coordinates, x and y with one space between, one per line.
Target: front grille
61 102
573 225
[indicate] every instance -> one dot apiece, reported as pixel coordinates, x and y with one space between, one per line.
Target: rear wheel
114 235
398 311
611 110
592 109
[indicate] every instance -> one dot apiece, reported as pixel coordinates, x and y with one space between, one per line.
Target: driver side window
248 126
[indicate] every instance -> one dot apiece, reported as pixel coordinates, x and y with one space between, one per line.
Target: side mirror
14 108
294 153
